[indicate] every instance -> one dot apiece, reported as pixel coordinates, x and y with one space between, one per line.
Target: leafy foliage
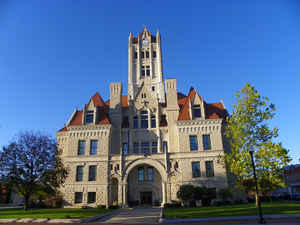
31 165
247 130
186 192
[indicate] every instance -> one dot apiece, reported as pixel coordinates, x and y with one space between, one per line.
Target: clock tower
145 64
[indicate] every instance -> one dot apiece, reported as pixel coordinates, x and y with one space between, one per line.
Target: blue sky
55 54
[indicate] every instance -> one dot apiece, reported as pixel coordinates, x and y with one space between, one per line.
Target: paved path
146 215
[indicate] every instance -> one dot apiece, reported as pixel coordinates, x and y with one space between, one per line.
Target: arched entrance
144 183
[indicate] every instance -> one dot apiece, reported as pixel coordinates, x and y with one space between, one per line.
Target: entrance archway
144 183
144 186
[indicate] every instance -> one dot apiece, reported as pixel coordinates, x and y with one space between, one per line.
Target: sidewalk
236 219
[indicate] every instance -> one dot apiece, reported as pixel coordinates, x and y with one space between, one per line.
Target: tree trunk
26 201
256 199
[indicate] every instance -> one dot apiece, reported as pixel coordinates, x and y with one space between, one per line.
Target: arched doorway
144 186
114 191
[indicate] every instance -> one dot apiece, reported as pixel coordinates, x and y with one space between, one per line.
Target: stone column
125 195
163 194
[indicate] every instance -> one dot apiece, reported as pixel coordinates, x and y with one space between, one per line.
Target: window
209 167
153 88
145 148
153 122
193 143
147 54
125 148
148 70
163 121
154 54
165 146
150 174
196 111
142 55
89 117
125 122
135 122
141 174
92 173
81 147
93 147
154 147
143 71
144 119
136 148
78 197
91 197
206 142
135 55
196 169
79 173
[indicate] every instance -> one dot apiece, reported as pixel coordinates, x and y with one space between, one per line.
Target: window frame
145 146
193 142
196 170
81 151
92 177
149 178
91 194
125 147
136 146
154 145
196 111
92 149
89 117
209 168
76 197
206 140
141 172
153 121
144 119
79 173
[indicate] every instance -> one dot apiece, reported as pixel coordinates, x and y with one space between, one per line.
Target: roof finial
144 29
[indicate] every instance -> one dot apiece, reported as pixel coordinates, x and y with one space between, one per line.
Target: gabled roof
212 111
98 101
102 115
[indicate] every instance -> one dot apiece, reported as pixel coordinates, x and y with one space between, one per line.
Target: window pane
144 119
81 147
196 169
79 173
92 173
150 174
209 166
193 143
154 54
135 122
154 147
148 72
196 111
153 122
145 148
206 142
125 148
91 197
165 146
141 174
142 55
136 148
147 54
135 55
143 73
78 197
93 148
89 118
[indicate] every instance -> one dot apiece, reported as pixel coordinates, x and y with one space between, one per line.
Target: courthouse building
140 147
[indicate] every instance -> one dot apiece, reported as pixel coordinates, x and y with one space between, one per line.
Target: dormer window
89 117
196 109
144 119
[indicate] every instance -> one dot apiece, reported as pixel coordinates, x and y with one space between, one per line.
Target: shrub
56 202
186 193
225 194
101 206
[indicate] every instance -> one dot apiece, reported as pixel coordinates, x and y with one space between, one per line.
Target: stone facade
139 148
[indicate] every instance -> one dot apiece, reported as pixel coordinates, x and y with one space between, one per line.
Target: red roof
98 101
77 119
124 101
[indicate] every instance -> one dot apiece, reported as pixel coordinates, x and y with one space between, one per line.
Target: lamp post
261 219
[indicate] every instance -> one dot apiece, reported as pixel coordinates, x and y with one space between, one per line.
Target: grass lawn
232 210
50 213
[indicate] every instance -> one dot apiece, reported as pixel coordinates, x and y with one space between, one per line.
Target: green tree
186 193
247 130
30 164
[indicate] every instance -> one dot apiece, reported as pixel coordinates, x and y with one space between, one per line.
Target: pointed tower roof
98 101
